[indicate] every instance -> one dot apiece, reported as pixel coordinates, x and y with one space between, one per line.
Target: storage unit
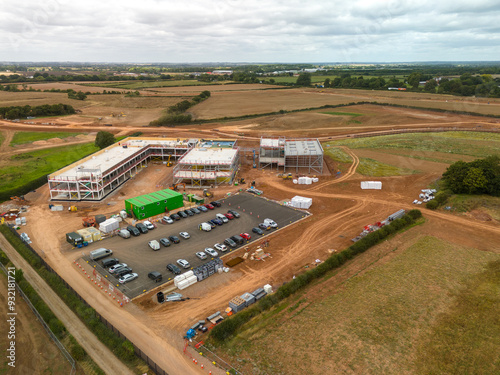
397 215
248 298
109 225
156 203
237 304
86 235
376 185
259 293
268 288
96 234
56 207
301 202
100 218
74 238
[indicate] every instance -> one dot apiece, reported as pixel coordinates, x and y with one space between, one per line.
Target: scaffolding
301 154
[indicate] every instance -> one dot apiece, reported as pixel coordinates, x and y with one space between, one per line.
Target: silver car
168 220
183 263
128 277
201 255
117 267
211 252
184 235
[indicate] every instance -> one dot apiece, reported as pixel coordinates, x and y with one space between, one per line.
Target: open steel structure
94 177
299 154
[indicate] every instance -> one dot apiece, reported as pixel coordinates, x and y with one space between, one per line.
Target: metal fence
45 326
138 352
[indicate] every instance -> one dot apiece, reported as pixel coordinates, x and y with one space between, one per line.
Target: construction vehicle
286 176
242 181
175 187
169 163
207 193
88 222
19 199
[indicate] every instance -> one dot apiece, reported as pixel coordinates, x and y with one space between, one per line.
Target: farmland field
28 137
138 85
401 317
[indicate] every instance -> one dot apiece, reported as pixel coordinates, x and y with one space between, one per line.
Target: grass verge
28 137
343 114
374 168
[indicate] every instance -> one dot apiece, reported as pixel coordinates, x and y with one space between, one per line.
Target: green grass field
344 114
28 137
1 138
431 309
467 203
374 168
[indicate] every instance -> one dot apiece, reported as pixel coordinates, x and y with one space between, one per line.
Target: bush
432 205
77 352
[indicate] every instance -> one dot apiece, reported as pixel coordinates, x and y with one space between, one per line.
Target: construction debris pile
379 224
426 195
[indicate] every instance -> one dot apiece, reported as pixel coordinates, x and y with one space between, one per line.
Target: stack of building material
86 235
259 293
268 289
56 207
295 181
96 235
315 179
208 269
301 202
237 304
396 215
109 225
248 298
308 180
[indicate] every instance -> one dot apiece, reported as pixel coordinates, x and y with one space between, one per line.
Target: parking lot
136 253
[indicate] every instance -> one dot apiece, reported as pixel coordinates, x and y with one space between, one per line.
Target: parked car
128 277
183 263
217 221
117 267
142 228
205 227
133 230
124 233
155 245
175 217
149 225
188 212
182 214
165 242
211 252
203 329
202 208
222 217
229 242
271 223
155 276
220 247
174 239
168 220
209 206
216 204
257 230
201 255
238 239
173 268
264 226
245 236
229 216
122 271
213 225
195 210
234 213
184 235
109 262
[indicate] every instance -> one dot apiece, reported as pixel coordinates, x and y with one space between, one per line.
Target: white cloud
235 30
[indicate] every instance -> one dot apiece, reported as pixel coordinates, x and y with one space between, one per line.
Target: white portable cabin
376 185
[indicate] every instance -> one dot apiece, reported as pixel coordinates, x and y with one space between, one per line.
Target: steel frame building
301 154
99 174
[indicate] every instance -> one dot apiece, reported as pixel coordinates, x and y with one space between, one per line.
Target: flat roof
153 197
271 142
303 147
207 156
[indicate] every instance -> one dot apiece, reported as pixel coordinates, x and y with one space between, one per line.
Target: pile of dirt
481 216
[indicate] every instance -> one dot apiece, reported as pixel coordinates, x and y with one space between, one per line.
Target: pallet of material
233 262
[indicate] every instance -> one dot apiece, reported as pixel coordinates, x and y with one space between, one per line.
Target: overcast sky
249 31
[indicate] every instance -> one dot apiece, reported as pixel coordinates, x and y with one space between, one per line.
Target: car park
183 263
217 221
209 206
128 277
202 208
201 255
173 268
216 204
211 252
165 242
174 239
175 217
133 230
149 225
182 214
264 226
220 247
109 262
229 242
167 220
245 236
188 212
122 271
271 223
195 210
223 218
184 235
234 213
257 230
116 267
155 276
155 245
124 233
229 216
142 228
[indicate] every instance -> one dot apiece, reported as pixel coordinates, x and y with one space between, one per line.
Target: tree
475 181
104 139
430 85
304 79
414 79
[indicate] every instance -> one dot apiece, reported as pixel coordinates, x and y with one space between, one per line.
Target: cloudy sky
249 31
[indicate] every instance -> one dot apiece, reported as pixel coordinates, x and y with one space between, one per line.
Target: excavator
207 193
175 187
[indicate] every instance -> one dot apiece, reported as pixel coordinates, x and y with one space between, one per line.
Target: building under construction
298 154
99 174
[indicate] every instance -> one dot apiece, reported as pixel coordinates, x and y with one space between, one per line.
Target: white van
222 217
124 233
205 226
155 245
100 253
271 223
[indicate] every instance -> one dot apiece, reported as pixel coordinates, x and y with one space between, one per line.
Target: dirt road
99 353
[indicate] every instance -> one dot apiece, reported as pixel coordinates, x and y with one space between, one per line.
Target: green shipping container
152 204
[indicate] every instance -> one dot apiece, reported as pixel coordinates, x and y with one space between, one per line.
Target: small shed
373 185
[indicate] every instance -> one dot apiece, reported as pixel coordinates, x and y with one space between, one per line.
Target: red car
209 206
246 236
229 216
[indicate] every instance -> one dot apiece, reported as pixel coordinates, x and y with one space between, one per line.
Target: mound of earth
481 216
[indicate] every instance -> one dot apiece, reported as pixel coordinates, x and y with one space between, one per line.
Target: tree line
17 112
175 113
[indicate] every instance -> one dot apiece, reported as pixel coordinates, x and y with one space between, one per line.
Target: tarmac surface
136 253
